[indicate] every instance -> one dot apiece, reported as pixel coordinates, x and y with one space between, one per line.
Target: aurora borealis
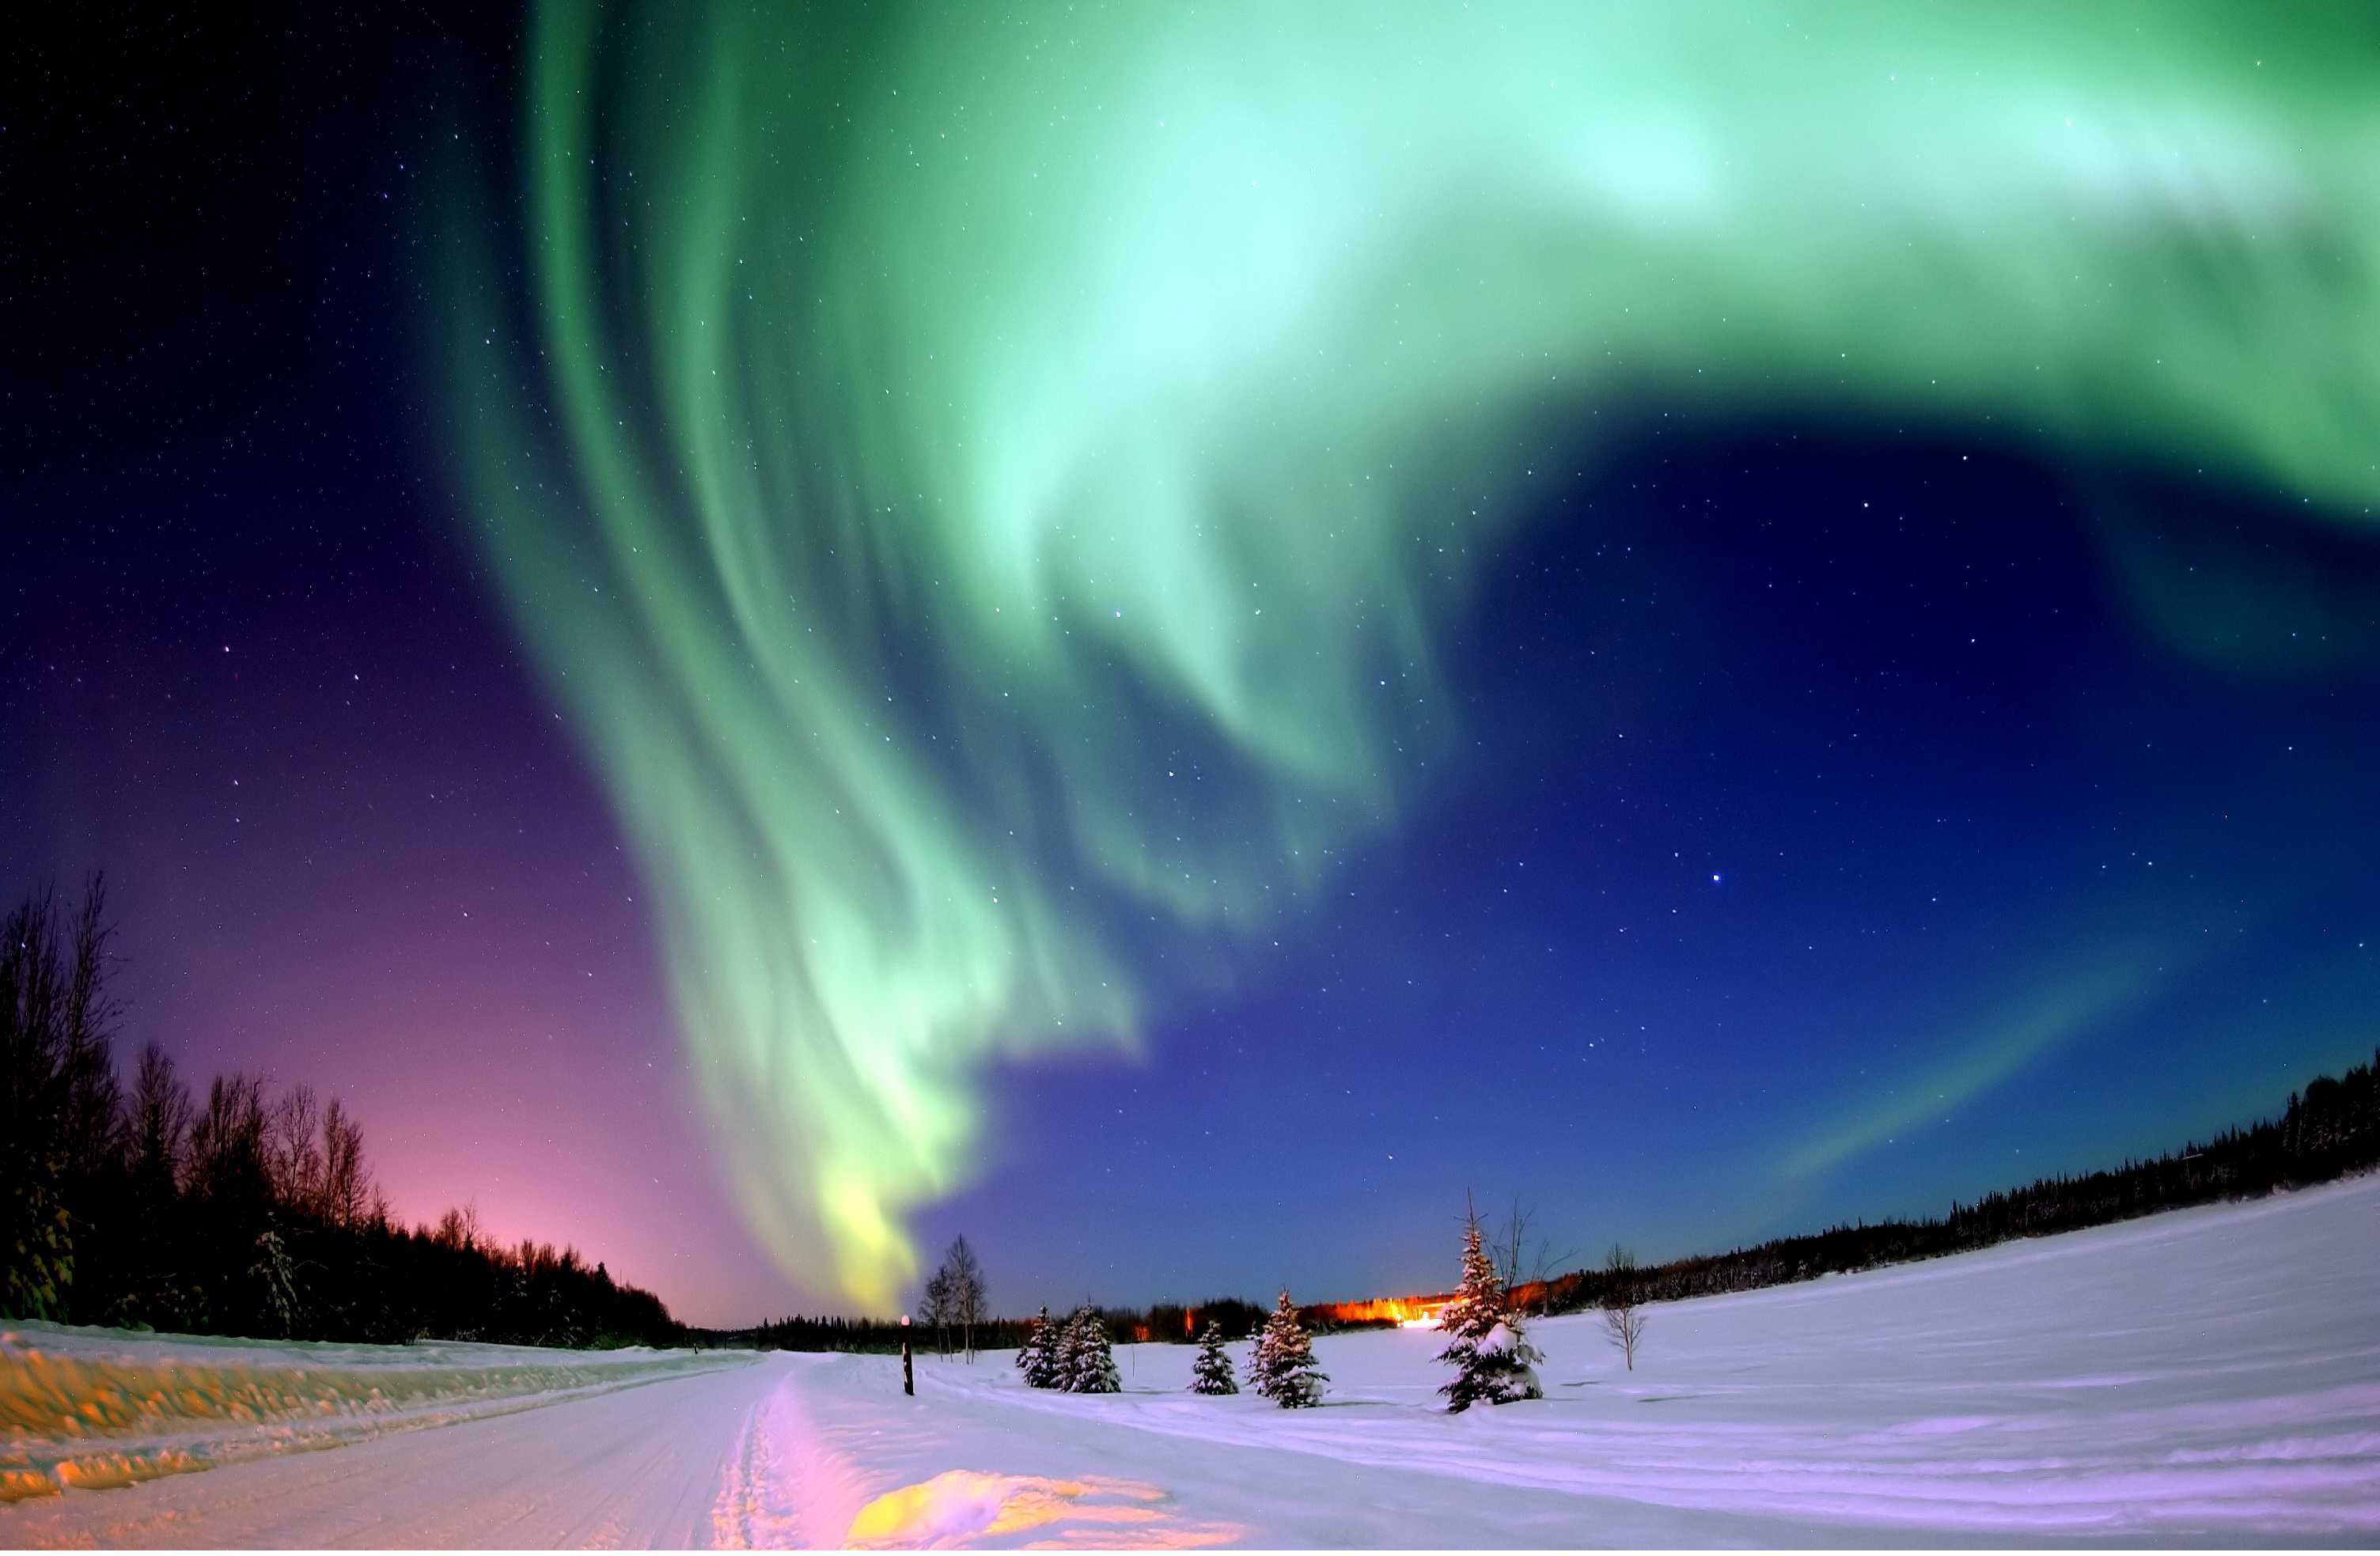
1154 596
952 456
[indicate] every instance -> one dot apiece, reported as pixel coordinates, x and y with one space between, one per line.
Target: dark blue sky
1842 842
1847 816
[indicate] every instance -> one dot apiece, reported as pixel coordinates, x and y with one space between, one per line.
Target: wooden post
908 1375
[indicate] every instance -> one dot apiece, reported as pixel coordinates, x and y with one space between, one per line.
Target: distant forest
1168 1320
2329 1131
252 1213
243 1210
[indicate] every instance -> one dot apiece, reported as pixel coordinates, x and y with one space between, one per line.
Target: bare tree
227 1154
934 1307
59 1101
94 1117
459 1228
967 1291
1624 1317
1522 1258
954 1298
346 1182
160 1125
61 1119
293 1153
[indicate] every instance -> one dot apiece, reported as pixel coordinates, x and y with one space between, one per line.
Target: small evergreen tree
1492 1360
1037 1357
1086 1361
1212 1371
1283 1369
276 1275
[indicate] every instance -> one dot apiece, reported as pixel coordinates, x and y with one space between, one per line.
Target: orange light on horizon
1406 1313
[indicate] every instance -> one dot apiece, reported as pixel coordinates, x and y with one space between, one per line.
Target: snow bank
102 1408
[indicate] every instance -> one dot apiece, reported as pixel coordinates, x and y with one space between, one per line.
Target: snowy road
2206 1377
638 1465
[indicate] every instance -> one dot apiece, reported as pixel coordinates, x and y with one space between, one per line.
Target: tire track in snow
784 1485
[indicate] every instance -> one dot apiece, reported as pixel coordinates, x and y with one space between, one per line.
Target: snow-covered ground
2209 1375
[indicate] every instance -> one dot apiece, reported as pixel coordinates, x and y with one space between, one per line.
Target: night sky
1171 643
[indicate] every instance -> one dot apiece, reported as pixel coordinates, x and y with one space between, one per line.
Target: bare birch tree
967 1293
1624 1317
1524 1258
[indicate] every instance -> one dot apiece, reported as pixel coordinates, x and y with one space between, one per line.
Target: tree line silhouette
242 1210
250 1212
2329 1131
1234 1317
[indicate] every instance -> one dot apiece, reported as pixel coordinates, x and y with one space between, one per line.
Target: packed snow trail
628 1457
2205 1377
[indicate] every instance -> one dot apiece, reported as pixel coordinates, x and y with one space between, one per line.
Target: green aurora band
983 476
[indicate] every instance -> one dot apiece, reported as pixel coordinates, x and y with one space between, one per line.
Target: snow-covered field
2209 1375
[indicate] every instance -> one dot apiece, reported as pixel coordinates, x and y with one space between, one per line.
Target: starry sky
1169 641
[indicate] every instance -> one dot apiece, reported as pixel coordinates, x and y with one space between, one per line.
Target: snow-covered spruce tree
1085 1362
1212 1371
1032 1341
1037 1357
1493 1361
1283 1369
